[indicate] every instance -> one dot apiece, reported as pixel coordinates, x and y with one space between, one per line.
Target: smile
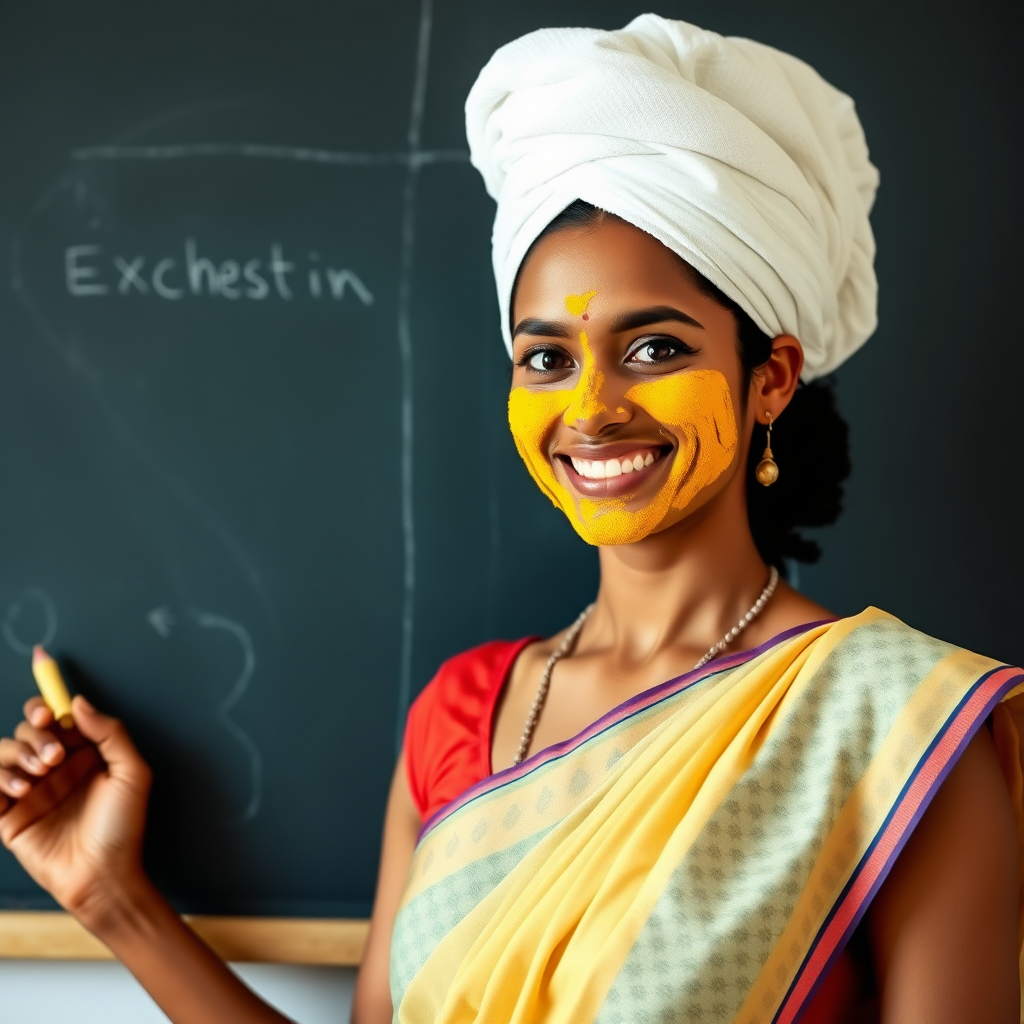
596 469
616 477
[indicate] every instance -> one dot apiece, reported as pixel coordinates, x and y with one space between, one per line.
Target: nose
593 407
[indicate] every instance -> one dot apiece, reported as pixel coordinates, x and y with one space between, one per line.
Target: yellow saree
704 851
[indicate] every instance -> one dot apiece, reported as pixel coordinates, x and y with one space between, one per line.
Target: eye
652 351
546 360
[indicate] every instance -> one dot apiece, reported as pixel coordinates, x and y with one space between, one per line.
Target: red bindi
586 316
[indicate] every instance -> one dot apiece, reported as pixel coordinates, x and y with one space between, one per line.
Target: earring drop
767 471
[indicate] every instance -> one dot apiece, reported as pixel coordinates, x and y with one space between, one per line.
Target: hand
73 806
73 810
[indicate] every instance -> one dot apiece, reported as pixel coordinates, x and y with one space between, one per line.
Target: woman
708 799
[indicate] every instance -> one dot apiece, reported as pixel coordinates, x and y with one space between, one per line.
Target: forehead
620 262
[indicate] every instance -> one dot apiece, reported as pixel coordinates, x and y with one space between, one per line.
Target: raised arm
372 1003
944 924
72 810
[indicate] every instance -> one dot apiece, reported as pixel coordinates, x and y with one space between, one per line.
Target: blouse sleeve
448 731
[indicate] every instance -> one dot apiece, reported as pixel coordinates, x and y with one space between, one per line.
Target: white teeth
602 470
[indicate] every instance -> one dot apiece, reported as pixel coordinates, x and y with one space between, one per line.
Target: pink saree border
908 810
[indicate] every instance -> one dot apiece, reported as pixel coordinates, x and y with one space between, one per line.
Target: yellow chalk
52 687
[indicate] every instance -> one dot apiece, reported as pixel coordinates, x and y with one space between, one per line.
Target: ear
774 383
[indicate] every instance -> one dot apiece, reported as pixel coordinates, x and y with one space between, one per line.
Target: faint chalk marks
161 619
405 355
170 117
263 151
19 610
238 691
78 365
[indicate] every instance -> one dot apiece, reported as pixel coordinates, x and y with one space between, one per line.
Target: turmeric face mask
695 406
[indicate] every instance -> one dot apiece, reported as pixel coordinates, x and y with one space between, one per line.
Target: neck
681 588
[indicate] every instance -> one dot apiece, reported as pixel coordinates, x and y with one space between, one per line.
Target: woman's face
626 383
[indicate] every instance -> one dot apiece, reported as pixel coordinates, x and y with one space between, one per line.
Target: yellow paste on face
697 404
577 304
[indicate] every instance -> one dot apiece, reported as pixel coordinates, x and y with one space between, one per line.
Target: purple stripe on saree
930 772
635 705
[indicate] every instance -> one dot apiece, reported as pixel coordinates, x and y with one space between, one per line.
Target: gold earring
767 471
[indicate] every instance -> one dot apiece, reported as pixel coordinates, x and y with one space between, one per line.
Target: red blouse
448 733
448 749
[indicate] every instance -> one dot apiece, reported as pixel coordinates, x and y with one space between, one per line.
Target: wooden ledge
56 936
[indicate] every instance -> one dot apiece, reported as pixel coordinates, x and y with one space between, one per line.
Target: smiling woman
634 450
737 806
814 434
682 250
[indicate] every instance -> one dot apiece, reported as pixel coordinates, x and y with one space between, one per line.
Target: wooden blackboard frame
333 942
863 550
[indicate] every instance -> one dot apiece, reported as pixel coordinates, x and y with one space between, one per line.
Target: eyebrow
651 315
541 328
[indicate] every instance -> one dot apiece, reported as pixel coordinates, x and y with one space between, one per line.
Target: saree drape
705 850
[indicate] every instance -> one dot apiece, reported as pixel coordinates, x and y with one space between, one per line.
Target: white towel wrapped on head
738 157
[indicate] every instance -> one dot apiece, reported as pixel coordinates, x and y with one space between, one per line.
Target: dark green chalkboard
256 477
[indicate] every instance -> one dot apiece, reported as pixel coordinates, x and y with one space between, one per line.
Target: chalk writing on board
125 275
91 272
130 438
238 691
34 611
161 619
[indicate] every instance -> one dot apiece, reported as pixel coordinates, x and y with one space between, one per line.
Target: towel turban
738 157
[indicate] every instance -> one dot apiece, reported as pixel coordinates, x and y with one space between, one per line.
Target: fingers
37 712
44 761
13 783
111 737
46 745
17 754
48 793
39 745
27 758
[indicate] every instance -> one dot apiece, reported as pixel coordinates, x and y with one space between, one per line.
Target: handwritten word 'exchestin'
90 272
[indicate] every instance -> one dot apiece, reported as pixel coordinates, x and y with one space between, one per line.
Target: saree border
932 768
621 713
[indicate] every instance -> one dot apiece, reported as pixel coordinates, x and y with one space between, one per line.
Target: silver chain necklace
572 634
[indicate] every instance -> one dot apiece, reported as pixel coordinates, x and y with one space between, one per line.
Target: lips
611 477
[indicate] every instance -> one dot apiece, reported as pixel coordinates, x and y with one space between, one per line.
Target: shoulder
884 690
944 924
893 661
447 733
789 608
469 676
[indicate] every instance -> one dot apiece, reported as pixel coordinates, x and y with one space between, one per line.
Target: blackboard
257 481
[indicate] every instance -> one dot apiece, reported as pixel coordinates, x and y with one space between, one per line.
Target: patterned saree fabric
703 852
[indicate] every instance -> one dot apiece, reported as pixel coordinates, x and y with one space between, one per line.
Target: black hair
810 441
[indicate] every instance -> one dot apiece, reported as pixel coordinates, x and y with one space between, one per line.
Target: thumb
110 737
